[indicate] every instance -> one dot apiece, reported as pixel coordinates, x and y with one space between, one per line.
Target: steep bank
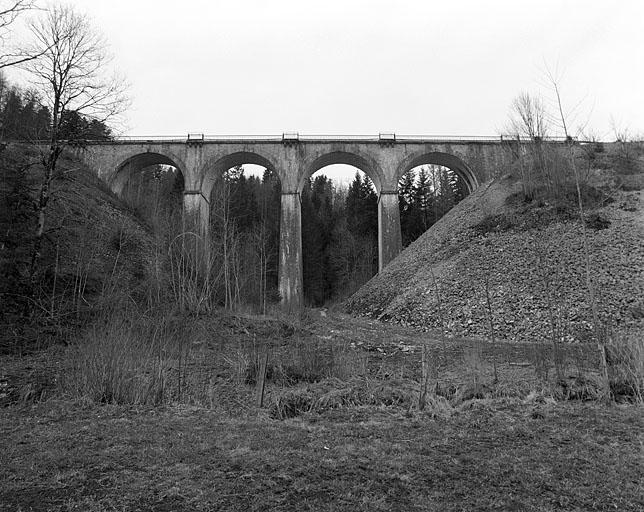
93 247
521 265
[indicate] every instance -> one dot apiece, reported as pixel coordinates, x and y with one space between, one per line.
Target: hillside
528 258
94 248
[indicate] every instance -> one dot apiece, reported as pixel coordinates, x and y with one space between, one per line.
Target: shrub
596 221
493 224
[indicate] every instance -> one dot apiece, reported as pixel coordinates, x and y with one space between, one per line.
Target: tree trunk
41 208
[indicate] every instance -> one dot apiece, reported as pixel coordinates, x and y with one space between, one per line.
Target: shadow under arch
137 163
213 170
453 162
367 165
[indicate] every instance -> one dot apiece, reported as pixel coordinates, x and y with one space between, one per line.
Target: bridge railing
294 137
336 137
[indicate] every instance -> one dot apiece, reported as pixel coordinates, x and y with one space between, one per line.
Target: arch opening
135 164
339 232
452 162
244 222
152 184
344 158
214 172
427 191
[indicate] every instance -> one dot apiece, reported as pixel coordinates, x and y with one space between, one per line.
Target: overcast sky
362 67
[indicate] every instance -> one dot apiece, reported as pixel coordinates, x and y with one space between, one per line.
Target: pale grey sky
366 66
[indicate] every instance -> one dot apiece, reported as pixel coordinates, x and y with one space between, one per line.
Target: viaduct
293 158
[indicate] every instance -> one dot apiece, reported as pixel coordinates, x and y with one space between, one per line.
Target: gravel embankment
534 273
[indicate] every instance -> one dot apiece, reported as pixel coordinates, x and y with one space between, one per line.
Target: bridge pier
196 212
389 234
290 263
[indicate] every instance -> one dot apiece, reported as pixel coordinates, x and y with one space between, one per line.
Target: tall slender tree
70 74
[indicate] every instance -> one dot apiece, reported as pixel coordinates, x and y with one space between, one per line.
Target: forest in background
23 117
339 226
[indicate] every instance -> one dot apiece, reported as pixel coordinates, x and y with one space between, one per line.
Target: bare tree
590 284
528 116
70 75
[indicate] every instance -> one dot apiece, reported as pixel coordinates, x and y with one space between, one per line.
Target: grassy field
340 428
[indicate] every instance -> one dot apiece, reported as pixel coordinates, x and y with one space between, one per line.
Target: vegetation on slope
94 250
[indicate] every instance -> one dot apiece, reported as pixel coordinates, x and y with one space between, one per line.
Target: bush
596 221
493 224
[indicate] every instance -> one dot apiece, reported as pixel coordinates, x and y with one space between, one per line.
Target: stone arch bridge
384 158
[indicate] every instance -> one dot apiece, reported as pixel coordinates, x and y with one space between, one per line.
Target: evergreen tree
24 117
11 114
410 212
313 248
362 207
422 200
426 194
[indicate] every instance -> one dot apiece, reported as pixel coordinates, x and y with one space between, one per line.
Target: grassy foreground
490 456
349 436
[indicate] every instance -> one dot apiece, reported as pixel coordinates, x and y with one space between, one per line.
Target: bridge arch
453 162
361 161
213 170
138 161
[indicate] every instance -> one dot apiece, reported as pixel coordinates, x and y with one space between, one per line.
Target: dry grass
625 358
514 456
124 362
346 434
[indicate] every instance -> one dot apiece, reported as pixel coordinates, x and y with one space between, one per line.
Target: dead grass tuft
625 359
334 394
306 361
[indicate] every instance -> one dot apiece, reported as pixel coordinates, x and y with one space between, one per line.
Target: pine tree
313 248
362 207
423 191
409 214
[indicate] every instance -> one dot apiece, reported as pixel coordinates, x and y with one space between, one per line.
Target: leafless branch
71 68
10 10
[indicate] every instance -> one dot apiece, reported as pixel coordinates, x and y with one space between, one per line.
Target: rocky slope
521 266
